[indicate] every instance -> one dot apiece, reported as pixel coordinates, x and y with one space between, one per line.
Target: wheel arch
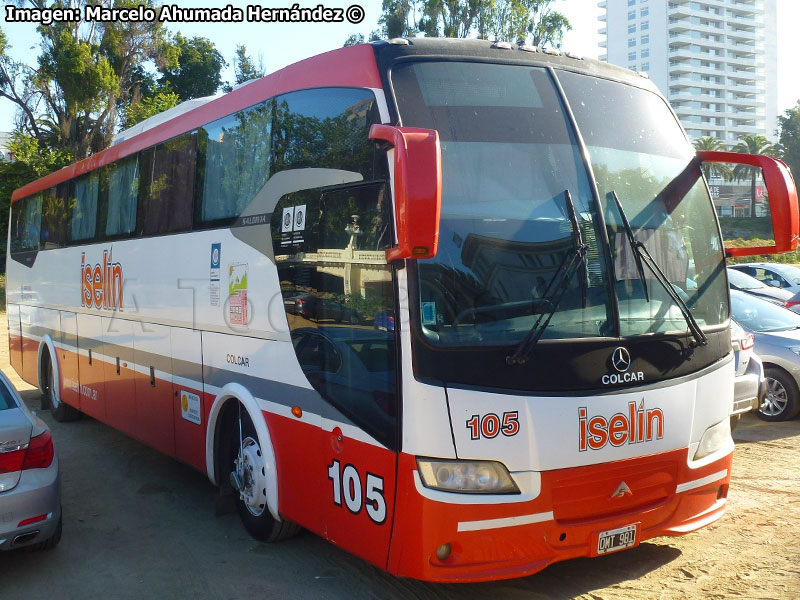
47 345
768 364
218 416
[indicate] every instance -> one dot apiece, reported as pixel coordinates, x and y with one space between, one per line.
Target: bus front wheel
248 477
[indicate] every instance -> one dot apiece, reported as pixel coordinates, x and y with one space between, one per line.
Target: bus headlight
713 439
466 476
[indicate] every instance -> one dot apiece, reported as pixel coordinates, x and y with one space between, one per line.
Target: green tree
713 169
532 21
156 102
399 18
85 75
451 18
198 69
353 39
789 131
244 67
752 144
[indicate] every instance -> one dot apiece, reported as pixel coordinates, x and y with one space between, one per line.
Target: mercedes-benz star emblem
621 359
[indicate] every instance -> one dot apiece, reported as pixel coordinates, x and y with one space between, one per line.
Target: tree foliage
752 144
85 75
531 21
789 128
197 71
157 101
354 39
244 67
713 169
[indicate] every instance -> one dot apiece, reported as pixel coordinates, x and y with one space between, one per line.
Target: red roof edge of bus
353 66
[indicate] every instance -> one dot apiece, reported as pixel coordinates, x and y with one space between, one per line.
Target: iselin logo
638 426
101 284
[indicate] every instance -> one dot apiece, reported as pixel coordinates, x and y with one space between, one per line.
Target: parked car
384 320
739 280
30 484
784 277
316 308
750 386
777 343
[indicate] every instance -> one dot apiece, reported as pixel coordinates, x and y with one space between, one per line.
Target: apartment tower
714 60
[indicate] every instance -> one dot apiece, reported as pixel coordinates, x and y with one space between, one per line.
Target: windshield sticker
429 313
237 294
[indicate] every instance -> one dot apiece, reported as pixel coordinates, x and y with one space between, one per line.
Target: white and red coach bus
458 307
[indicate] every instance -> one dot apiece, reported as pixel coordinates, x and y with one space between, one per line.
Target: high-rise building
714 60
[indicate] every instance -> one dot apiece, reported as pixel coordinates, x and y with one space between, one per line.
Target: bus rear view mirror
773 194
417 189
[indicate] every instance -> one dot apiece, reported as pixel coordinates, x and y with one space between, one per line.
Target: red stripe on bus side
353 66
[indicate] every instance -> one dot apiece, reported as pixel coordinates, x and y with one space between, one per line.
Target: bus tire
251 502
61 411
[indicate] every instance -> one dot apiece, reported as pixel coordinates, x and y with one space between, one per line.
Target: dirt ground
140 525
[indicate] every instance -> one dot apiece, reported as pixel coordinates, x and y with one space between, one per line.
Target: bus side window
54 217
168 178
324 128
120 198
234 163
26 218
83 208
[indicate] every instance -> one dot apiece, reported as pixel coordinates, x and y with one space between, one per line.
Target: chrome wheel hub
252 474
776 399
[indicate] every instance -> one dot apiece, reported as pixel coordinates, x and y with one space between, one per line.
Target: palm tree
713 169
751 144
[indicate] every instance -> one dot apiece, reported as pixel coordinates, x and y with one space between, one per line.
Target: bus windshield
509 156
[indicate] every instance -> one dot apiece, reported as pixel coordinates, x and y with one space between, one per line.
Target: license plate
616 539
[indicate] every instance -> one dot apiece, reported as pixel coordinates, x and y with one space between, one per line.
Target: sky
281 44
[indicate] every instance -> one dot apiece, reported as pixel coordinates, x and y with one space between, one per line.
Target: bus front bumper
453 541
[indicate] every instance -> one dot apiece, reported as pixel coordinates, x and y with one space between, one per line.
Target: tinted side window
235 162
121 197
168 172
26 220
326 128
54 217
83 207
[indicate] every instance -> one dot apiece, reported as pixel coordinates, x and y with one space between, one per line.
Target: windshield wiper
558 284
641 254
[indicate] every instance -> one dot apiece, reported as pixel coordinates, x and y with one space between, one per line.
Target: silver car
750 387
778 276
777 342
30 484
738 280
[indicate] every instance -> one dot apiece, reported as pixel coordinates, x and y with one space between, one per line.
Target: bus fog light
443 552
466 476
713 439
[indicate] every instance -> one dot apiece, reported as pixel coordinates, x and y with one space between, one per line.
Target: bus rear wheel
248 477
61 412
